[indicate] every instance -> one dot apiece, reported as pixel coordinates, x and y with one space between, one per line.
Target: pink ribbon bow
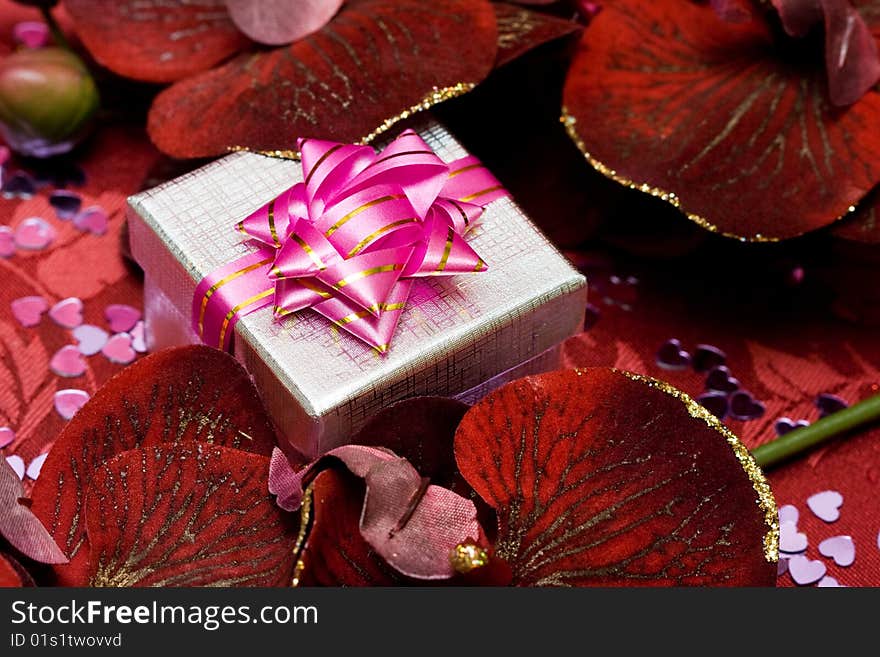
349 240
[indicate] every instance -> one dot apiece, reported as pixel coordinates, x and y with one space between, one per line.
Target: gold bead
467 556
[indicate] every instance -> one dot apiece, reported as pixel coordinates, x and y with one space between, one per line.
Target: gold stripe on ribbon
369 311
461 212
480 265
401 154
449 237
240 228
223 281
243 304
357 211
309 251
320 162
376 233
365 273
470 167
272 230
314 288
480 193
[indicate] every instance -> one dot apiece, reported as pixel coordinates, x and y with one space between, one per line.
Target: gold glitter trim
743 455
670 197
466 557
305 521
435 97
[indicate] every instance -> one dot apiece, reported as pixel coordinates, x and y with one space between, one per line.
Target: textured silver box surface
320 384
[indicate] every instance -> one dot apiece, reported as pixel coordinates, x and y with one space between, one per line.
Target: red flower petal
334 552
603 478
666 94
175 396
12 574
18 524
864 226
521 30
156 41
374 61
276 22
187 516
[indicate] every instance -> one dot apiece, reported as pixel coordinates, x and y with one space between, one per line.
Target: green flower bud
47 99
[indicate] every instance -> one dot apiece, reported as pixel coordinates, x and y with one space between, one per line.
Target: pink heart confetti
29 310
7 437
91 339
7 242
840 548
826 505
68 402
139 338
118 349
92 220
31 34
34 234
67 313
781 566
829 582
805 571
121 317
789 513
791 540
17 464
34 467
68 362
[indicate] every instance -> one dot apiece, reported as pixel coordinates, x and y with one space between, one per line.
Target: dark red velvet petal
521 29
666 95
12 574
153 40
334 552
179 395
373 61
600 479
187 516
864 225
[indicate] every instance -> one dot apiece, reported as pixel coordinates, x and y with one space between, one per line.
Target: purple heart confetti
118 349
34 467
66 203
90 339
7 437
805 571
720 380
17 464
7 242
828 404
139 338
829 582
786 425
745 407
121 317
34 234
672 357
781 566
789 513
92 220
826 505
68 362
840 548
791 541
707 357
67 313
29 310
68 402
715 403
19 185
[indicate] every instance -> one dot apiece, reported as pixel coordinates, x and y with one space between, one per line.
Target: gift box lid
454 333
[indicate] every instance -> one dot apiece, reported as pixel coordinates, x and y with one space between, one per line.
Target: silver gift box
457 337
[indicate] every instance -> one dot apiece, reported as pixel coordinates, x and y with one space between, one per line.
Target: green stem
57 33
800 440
